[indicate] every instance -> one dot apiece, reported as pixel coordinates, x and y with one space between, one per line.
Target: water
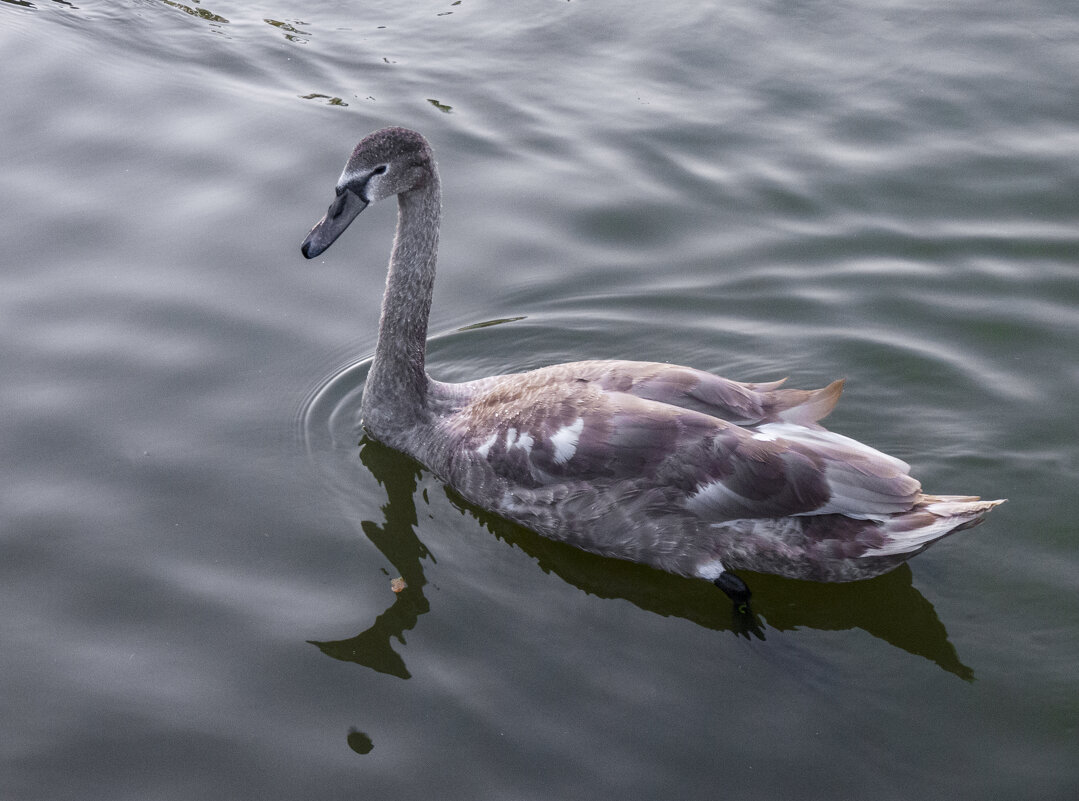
196 553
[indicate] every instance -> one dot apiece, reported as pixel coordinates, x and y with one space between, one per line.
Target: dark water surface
195 554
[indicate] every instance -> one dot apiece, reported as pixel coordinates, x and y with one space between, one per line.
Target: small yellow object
397 584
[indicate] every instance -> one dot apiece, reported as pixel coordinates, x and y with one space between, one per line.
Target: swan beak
342 211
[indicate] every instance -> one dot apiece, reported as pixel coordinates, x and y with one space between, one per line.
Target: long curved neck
395 395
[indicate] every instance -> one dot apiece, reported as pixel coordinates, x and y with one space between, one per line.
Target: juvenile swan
655 463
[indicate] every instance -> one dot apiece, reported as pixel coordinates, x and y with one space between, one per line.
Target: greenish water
196 554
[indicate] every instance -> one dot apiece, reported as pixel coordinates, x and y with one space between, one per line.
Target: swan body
660 464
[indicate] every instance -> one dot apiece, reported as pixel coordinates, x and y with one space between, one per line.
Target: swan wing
532 431
688 388
737 402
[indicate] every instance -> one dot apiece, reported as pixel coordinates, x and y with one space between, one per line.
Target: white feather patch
713 494
483 449
711 570
565 441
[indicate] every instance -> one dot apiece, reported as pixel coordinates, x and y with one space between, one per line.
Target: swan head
388 162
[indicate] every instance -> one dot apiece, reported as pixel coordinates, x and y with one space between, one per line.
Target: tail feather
803 407
931 518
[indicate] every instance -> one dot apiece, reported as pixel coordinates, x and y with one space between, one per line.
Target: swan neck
396 388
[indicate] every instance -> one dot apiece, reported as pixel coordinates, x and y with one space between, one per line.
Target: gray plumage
656 463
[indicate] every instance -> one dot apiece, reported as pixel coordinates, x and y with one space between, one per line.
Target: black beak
342 211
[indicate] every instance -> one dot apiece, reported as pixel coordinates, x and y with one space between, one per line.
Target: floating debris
397 584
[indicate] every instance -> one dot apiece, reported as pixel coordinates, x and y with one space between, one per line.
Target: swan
655 463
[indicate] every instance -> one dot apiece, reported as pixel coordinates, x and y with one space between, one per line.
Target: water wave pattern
197 544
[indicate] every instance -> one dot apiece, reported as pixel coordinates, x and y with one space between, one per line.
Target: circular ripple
329 417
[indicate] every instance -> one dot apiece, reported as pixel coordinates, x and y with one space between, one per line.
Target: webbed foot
735 588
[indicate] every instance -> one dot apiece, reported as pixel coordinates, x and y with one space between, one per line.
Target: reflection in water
291 33
359 742
201 13
888 607
397 541
332 101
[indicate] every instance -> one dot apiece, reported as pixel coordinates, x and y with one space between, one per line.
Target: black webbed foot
735 588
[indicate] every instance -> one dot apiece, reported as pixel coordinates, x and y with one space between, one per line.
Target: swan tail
802 407
932 517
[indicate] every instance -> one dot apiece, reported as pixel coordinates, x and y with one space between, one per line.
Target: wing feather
723 471
688 388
